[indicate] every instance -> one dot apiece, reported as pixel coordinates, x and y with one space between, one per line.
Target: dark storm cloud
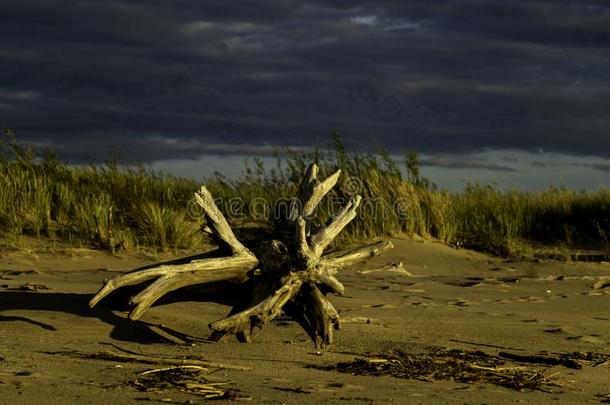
464 162
175 79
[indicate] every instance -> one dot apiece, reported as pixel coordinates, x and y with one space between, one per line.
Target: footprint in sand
570 333
320 387
20 272
361 320
530 299
462 303
343 386
465 282
590 339
561 330
601 284
385 306
508 279
598 293
503 301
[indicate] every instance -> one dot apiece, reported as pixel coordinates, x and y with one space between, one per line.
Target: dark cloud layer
175 79
464 162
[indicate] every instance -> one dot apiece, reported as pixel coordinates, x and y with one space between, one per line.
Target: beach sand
439 297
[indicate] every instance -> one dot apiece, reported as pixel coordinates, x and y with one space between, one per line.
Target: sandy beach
417 297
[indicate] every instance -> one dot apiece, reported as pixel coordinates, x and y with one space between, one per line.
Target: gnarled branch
295 274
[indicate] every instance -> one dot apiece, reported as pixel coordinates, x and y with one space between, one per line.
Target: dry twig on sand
594 358
110 355
539 359
189 379
452 365
124 355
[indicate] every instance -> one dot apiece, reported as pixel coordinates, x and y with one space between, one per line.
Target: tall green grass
114 207
104 206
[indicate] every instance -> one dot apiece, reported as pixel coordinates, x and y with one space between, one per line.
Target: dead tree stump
292 275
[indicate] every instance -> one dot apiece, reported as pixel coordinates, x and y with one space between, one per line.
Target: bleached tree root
294 276
172 277
361 253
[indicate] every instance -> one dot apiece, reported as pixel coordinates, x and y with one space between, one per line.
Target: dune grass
116 208
104 207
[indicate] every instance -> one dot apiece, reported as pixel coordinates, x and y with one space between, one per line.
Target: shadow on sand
109 311
124 329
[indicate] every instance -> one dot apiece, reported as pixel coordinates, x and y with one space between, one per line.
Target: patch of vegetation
115 207
100 206
189 379
452 365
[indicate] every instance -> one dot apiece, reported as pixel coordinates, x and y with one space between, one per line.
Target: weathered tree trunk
294 274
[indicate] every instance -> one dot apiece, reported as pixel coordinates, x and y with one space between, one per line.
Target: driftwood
294 275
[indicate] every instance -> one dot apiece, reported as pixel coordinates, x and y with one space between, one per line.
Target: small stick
485 345
159 370
172 361
514 368
551 361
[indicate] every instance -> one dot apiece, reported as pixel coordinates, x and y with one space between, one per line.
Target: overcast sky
483 89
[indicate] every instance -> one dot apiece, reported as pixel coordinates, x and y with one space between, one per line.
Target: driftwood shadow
124 329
